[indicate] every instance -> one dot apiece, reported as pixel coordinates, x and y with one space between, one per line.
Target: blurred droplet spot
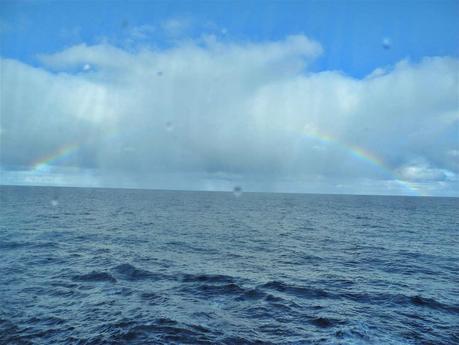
237 191
54 202
386 43
169 126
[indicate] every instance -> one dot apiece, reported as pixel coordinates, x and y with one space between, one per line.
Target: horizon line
226 191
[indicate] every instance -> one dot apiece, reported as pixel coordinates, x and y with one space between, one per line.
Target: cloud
207 114
421 171
175 27
141 32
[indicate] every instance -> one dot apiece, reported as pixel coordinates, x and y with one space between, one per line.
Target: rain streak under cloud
211 113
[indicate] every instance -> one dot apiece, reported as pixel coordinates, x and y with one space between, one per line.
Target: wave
159 331
95 276
324 322
299 291
207 278
9 245
398 299
432 303
225 289
129 272
153 297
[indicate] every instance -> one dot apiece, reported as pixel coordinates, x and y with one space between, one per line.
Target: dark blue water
100 266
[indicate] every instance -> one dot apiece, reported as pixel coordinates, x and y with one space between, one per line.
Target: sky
355 97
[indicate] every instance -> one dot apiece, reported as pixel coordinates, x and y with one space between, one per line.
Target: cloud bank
211 114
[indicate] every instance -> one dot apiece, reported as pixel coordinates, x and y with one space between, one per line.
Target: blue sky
351 32
297 96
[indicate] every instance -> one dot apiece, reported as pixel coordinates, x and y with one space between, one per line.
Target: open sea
112 266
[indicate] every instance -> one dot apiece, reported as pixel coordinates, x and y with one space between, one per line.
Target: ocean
113 266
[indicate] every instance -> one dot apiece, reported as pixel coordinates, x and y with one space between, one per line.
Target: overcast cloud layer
210 114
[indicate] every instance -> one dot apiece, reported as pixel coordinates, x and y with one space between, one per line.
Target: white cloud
420 170
141 32
176 26
207 114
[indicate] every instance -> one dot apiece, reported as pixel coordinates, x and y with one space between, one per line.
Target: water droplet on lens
54 202
237 191
386 43
169 126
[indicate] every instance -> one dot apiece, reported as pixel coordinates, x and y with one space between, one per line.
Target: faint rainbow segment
55 157
66 151
364 155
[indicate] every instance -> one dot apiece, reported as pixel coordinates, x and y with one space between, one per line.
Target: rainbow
64 152
355 151
56 156
361 154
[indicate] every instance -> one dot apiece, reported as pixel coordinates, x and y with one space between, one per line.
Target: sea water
108 266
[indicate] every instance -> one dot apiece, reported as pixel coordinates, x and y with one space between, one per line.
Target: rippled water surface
105 266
